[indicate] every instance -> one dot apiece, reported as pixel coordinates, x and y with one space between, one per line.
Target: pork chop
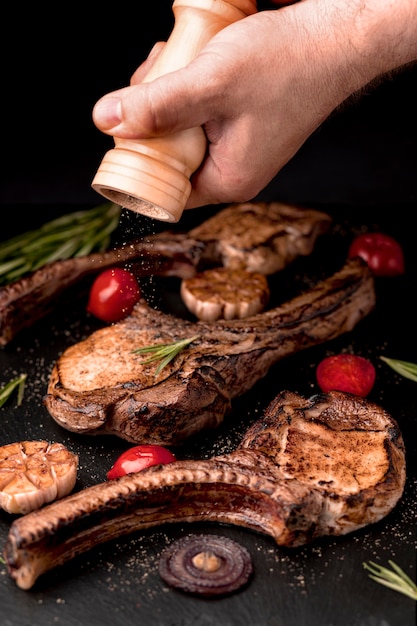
100 386
309 468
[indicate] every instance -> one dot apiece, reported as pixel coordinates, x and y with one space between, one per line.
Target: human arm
263 85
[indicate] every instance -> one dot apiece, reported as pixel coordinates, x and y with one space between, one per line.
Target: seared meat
100 386
327 465
258 237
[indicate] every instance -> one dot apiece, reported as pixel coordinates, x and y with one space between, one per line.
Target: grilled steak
99 386
260 237
327 465
263 237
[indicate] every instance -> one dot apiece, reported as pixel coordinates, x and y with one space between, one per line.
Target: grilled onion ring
205 565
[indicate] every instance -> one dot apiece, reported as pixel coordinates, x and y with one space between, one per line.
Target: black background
57 62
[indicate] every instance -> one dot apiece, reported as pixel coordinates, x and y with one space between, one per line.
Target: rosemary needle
396 579
72 235
164 352
405 368
6 391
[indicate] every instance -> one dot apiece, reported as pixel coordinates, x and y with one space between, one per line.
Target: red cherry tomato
346 372
113 295
137 458
382 253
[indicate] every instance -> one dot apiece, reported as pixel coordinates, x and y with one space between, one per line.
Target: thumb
167 104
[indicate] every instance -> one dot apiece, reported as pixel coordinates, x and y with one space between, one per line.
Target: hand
261 86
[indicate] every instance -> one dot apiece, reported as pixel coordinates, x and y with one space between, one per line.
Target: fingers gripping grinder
152 176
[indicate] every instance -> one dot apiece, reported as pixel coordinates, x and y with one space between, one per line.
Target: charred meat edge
283 233
324 466
109 391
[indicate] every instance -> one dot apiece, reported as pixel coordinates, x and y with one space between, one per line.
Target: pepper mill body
152 176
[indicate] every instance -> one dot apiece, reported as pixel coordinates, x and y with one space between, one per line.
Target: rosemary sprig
396 580
71 235
164 352
7 390
405 368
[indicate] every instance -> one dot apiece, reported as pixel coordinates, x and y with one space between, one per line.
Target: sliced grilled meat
327 465
262 237
99 386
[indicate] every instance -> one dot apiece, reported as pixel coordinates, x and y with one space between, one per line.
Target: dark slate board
323 584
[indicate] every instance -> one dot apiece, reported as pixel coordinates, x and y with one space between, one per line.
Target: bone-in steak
100 386
327 465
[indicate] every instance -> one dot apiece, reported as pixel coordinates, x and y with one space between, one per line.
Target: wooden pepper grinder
152 176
